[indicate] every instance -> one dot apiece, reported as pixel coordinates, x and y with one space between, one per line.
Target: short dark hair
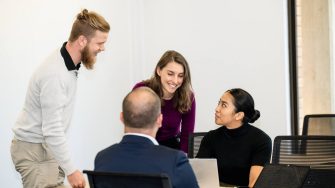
87 23
244 102
141 108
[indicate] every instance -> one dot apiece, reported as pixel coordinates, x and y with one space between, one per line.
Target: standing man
138 151
39 149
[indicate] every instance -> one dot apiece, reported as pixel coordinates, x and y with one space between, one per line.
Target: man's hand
76 179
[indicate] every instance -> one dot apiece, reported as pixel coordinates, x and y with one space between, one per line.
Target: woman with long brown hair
171 80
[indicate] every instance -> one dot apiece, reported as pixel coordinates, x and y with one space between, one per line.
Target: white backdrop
228 43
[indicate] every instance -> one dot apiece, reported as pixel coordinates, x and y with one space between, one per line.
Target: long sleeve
187 126
53 99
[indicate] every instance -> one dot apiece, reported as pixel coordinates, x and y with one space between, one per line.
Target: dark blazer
139 155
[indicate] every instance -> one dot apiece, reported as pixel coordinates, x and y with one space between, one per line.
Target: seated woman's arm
255 171
261 156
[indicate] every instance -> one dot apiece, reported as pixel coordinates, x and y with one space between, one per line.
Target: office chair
318 152
194 141
126 180
319 124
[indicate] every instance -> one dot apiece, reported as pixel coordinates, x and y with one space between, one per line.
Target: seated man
138 151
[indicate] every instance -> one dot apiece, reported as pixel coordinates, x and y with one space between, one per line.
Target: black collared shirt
68 60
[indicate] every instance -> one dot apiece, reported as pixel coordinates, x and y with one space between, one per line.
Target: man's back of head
138 151
141 109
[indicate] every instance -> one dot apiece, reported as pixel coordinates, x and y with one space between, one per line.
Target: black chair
318 152
282 176
194 141
126 180
319 124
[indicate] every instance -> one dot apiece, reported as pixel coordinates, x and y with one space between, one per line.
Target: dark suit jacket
139 155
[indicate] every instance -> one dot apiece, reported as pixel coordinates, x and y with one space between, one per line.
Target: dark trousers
173 142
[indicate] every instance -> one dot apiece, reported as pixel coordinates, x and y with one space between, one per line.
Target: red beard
87 58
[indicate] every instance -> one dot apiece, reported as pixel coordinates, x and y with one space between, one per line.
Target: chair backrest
318 152
194 141
126 180
319 124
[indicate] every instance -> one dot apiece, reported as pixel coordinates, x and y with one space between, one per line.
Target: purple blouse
175 122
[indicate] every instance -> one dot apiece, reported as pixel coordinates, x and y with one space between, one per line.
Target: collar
243 129
153 140
68 60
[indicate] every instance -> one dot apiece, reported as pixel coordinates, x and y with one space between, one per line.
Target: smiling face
93 47
172 77
225 112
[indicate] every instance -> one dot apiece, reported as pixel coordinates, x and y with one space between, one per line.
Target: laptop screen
206 172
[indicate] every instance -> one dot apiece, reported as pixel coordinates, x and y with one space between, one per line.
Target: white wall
231 43
235 43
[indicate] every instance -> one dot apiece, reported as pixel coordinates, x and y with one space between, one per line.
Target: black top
236 150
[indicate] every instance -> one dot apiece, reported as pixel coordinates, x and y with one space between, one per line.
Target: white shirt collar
153 140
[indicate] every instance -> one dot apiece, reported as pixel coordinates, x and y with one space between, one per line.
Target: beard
87 58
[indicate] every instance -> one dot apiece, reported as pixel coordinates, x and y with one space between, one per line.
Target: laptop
281 175
323 178
206 172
